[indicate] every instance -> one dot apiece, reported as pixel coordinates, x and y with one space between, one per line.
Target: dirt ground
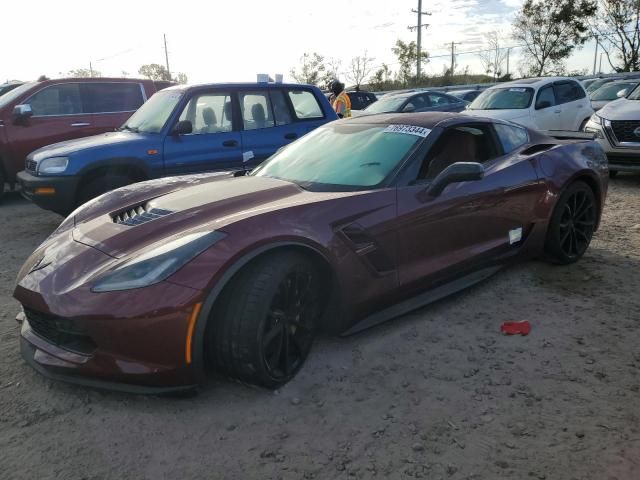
436 394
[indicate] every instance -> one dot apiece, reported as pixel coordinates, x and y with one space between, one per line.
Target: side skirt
423 299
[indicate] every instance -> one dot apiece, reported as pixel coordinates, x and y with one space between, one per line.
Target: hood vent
139 214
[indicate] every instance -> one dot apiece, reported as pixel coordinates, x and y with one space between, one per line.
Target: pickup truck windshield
11 95
514 98
152 116
343 156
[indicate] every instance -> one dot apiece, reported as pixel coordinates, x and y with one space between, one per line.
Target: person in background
340 100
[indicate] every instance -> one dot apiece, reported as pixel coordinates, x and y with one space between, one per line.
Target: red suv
36 114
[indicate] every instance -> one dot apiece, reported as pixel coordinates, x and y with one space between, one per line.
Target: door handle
230 143
81 124
291 136
557 111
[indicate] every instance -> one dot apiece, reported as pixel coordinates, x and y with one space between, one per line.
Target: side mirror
543 104
22 112
622 93
183 127
457 172
409 109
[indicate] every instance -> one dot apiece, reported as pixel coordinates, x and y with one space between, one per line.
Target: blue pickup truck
180 130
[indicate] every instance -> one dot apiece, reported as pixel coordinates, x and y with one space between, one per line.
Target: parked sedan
360 221
611 91
547 103
416 101
466 95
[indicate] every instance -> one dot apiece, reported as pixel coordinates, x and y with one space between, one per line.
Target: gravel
436 394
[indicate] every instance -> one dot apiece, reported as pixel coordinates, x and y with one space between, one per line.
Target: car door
548 114
267 123
469 223
215 142
57 115
572 99
110 104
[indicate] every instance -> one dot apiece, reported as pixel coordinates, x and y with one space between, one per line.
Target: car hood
187 204
621 109
69 147
598 104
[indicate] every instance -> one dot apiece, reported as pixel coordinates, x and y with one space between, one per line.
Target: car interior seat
259 117
228 115
454 146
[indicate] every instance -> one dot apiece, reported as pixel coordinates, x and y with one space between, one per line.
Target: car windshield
154 113
11 95
386 104
343 156
513 98
610 90
598 83
635 94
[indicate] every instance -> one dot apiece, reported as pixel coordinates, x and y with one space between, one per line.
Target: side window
472 143
209 113
256 110
568 92
61 99
545 98
111 97
511 137
438 99
305 104
281 111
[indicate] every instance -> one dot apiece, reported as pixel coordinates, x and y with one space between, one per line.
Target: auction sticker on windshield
408 129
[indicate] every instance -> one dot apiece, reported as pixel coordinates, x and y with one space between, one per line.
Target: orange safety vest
344 99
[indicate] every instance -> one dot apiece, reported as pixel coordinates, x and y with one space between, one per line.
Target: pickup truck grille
31 165
139 214
623 130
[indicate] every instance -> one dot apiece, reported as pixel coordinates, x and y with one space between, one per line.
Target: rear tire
572 224
263 327
99 185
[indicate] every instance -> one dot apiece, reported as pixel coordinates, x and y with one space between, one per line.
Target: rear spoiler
569 135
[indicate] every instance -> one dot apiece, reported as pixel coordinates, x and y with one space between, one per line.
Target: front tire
263 327
99 185
572 224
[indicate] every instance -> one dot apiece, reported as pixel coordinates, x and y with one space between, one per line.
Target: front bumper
622 158
57 194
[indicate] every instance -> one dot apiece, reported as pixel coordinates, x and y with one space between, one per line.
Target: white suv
617 128
550 103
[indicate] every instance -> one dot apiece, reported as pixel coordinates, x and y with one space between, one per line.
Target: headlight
53 165
157 264
595 118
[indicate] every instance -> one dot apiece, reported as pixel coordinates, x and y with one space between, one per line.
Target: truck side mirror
22 112
183 127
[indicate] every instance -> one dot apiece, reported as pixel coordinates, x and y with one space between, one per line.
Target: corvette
148 287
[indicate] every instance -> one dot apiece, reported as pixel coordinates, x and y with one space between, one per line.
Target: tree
494 57
407 54
83 73
360 69
617 30
155 71
381 79
311 69
550 30
181 78
332 66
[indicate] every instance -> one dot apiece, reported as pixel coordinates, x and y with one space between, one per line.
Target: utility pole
508 52
600 68
91 69
166 55
595 56
453 57
419 28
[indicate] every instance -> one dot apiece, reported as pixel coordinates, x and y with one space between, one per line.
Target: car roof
530 82
412 93
420 119
237 85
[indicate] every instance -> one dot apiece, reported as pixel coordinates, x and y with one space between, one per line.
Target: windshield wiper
129 128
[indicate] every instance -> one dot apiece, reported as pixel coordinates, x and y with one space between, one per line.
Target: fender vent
139 214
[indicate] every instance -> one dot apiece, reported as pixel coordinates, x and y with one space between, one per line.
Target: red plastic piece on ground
516 328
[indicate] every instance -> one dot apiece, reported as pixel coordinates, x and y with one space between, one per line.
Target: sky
214 41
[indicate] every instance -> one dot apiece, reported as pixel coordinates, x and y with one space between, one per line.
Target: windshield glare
514 98
610 91
154 113
386 104
341 155
11 95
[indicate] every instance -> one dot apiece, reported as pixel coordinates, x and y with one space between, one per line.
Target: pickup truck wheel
97 186
572 224
266 321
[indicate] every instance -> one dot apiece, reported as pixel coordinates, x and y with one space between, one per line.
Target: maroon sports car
149 286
